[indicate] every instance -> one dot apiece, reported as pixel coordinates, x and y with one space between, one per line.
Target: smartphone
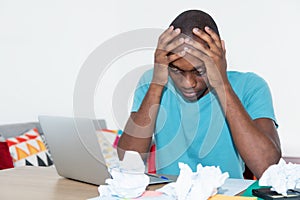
268 194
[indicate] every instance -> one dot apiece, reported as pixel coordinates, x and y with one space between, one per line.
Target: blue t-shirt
197 132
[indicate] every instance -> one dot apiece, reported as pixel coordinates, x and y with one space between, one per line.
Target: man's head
190 19
189 73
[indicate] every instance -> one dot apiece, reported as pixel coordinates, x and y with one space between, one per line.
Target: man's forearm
257 141
140 126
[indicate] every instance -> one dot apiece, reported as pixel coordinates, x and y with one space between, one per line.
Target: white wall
43 45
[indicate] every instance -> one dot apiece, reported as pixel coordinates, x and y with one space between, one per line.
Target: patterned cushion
29 149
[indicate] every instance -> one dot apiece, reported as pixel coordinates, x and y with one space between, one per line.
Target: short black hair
190 19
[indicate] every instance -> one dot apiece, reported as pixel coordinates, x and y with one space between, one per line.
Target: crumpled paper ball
282 177
128 180
199 185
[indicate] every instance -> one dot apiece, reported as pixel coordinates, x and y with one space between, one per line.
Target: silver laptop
75 149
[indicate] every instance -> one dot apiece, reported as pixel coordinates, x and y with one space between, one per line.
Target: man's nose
189 80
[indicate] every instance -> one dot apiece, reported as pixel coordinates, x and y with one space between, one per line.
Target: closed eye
174 69
200 70
198 73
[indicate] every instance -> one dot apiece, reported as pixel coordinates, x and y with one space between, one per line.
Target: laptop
75 149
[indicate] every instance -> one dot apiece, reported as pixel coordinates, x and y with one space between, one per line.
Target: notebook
75 149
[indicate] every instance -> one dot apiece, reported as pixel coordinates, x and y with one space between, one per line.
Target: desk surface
24 183
41 183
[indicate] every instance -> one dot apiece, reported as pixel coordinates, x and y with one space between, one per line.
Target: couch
12 130
36 142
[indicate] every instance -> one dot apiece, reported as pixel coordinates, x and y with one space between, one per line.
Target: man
197 110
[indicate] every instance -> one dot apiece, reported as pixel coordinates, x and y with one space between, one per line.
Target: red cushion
151 160
5 157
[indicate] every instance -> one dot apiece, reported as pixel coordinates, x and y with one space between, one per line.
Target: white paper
231 187
161 197
128 180
234 186
281 177
199 185
132 162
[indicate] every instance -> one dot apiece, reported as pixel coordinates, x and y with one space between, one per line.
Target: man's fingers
214 36
173 45
198 45
214 46
196 53
223 46
167 43
167 37
176 56
166 32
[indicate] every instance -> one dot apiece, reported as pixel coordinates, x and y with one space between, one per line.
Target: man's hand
165 54
212 52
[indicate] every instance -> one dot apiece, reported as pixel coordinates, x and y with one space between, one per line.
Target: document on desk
148 195
234 186
231 187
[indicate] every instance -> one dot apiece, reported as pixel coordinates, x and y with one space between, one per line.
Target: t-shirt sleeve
258 99
141 90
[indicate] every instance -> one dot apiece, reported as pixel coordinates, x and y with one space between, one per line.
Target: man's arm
256 140
140 126
137 135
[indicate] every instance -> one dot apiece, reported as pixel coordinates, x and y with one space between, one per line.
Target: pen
157 176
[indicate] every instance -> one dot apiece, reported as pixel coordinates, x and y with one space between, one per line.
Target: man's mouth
192 94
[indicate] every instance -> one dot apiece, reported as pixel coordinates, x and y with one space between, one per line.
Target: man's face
189 76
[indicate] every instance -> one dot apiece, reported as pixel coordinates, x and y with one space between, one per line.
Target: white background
43 45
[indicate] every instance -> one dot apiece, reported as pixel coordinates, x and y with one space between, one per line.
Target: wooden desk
42 183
